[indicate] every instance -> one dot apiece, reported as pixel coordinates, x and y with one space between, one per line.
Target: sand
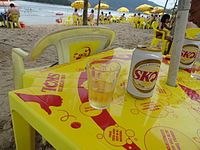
126 37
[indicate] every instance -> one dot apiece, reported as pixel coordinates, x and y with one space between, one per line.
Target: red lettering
51 82
153 76
192 55
44 89
137 74
145 76
187 54
52 75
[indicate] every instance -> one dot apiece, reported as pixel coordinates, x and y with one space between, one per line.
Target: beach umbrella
179 35
157 10
102 6
123 9
144 7
147 12
79 4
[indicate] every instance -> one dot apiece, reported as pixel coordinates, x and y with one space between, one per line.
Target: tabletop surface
168 120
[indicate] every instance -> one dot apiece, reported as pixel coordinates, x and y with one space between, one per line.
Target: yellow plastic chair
69 21
136 22
155 41
123 20
75 20
71 44
193 33
115 19
15 21
142 22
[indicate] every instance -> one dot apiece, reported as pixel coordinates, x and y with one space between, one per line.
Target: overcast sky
162 3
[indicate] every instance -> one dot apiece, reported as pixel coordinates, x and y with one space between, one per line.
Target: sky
162 3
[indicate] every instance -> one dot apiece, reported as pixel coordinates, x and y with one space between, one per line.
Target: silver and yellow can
144 70
189 53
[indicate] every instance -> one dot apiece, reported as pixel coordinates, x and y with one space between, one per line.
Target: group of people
105 17
91 20
77 17
7 15
165 23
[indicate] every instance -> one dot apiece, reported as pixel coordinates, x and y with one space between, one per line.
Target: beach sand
126 37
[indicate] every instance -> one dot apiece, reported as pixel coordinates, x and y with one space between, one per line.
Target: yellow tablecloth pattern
169 120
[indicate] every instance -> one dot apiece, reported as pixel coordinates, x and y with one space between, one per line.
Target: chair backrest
75 43
75 19
193 33
155 25
136 20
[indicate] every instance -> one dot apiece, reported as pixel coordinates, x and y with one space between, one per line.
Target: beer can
145 66
189 52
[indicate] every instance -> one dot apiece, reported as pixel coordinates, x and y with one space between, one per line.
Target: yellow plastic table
54 102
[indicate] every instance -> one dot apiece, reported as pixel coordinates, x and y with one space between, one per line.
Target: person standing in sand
75 13
109 17
76 17
13 10
91 18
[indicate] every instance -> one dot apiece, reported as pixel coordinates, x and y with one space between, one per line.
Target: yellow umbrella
157 10
144 7
79 4
102 6
147 12
123 9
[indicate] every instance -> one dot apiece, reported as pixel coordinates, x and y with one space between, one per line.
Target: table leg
24 133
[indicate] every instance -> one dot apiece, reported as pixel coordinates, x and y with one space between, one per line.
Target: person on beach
151 20
3 19
13 10
76 17
76 12
91 18
101 17
109 17
106 17
163 26
122 17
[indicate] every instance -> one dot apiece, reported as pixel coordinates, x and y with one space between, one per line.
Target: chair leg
24 133
11 24
165 47
154 42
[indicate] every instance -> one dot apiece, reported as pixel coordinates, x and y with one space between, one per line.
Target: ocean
33 13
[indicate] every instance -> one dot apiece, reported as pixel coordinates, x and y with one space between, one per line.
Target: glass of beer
195 71
102 77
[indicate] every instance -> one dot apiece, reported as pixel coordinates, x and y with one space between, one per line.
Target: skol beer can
145 66
188 54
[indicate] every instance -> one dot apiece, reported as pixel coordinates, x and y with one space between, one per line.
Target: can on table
189 52
145 66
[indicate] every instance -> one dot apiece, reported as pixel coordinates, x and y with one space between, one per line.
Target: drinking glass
102 77
195 71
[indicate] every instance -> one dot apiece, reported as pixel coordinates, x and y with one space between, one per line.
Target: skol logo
145 74
84 52
189 54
